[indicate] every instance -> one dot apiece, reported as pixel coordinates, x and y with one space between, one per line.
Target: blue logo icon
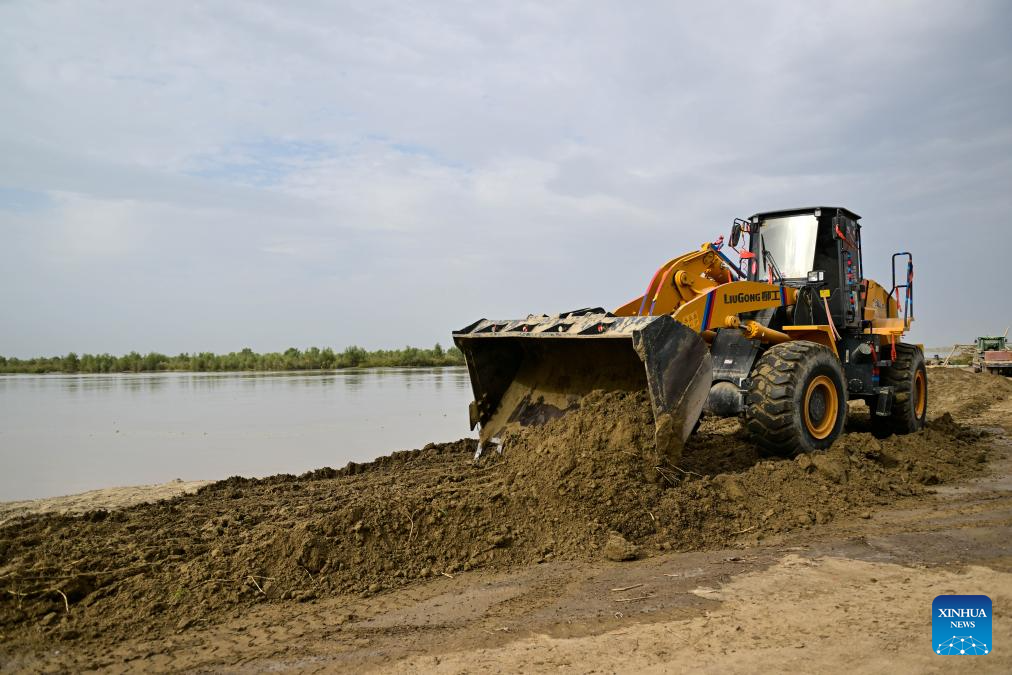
961 625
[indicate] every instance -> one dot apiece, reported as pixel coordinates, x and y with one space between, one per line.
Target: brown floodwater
62 434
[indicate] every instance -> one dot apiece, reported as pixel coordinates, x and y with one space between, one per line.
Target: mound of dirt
562 490
963 393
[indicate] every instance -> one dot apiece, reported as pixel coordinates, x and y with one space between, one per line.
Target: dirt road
424 562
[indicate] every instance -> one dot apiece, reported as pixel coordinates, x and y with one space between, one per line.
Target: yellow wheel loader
783 337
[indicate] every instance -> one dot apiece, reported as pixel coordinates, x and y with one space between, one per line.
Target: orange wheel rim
920 394
822 405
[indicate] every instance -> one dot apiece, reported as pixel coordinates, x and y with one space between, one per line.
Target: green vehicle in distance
993 355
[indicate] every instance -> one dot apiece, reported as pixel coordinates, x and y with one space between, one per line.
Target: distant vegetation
291 359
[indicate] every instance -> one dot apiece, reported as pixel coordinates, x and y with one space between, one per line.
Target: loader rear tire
909 379
797 401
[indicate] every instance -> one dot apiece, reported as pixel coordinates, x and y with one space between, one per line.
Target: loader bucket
529 371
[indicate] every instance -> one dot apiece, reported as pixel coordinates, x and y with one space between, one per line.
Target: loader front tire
909 379
797 401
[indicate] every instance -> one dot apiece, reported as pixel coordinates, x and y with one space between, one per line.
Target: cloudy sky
213 175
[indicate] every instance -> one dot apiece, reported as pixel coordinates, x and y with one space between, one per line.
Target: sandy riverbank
105 498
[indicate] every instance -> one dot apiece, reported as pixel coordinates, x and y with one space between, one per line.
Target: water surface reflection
61 434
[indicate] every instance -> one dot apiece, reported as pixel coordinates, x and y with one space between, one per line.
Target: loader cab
817 248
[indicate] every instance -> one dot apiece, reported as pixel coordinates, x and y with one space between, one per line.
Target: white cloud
265 174
92 230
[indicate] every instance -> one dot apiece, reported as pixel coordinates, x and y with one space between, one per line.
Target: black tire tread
900 375
770 411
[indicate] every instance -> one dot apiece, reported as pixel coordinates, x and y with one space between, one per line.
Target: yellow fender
884 313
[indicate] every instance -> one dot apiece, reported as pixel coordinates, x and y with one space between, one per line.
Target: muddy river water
61 434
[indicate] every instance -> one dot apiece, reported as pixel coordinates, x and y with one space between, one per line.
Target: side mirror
735 235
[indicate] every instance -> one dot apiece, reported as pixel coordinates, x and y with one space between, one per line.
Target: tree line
248 360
